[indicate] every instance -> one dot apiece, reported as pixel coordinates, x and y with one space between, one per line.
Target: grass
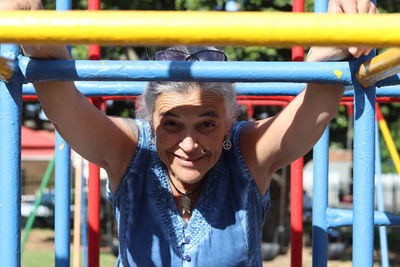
39 251
46 258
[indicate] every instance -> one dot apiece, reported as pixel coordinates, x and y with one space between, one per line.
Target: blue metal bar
251 89
231 5
320 201
379 198
62 187
392 80
62 202
341 217
363 176
84 225
117 70
63 5
320 6
10 164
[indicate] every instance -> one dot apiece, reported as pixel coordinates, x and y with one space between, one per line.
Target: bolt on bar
6 69
217 28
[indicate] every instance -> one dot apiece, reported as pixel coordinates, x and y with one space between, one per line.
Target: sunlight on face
190 129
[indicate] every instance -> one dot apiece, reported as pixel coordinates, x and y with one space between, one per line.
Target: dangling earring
227 144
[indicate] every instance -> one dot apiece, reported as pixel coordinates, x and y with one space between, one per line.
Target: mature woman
189 185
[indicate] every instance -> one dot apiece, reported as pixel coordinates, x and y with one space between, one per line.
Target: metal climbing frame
91 74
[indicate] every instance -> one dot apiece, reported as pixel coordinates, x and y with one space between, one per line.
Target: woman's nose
188 144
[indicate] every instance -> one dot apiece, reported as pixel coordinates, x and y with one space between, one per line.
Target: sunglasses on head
203 55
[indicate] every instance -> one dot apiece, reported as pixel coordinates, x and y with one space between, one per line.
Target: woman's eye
171 126
208 124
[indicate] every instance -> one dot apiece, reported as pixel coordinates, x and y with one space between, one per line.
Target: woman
188 185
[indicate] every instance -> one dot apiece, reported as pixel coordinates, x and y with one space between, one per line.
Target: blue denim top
226 223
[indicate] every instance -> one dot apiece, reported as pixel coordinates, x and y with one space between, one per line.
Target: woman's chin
188 176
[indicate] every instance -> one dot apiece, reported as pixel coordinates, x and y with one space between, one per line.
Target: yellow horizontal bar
379 67
194 28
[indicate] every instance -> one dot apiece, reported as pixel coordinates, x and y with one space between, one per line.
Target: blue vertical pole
320 185
320 6
63 5
231 5
320 201
363 176
62 188
10 164
84 226
363 173
379 199
62 202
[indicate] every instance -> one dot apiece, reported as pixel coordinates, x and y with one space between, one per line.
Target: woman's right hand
21 4
32 50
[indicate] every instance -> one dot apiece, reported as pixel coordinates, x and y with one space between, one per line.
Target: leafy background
341 130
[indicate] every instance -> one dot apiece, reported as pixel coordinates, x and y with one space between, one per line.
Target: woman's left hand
337 53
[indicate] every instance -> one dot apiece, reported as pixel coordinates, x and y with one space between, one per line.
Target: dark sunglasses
204 55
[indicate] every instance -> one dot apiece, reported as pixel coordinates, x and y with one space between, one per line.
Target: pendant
185 203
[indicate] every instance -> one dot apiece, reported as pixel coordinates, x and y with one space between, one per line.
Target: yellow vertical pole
394 154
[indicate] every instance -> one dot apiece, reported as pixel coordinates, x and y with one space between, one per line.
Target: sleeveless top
226 223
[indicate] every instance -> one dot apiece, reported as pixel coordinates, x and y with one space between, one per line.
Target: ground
39 252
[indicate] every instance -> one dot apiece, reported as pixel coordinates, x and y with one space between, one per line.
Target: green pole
38 200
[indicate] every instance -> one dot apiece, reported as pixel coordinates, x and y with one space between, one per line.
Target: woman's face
190 128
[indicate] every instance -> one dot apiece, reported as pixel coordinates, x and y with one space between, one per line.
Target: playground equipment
232 28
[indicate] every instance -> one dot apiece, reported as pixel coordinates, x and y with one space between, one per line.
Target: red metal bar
94 50
262 102
94 53
253 97
93 216
250 110
298 51
296 211
94 207
296 179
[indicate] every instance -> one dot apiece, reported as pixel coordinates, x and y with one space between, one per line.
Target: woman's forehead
192 99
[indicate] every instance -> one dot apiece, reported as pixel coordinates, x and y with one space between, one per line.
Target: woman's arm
272 143
105 141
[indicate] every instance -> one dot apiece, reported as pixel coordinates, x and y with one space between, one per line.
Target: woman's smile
188 161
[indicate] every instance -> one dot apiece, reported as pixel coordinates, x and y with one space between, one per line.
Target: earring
227 144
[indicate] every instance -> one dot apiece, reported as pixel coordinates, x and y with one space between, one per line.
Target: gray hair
147 100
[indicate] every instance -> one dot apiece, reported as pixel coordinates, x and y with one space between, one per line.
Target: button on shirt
225 226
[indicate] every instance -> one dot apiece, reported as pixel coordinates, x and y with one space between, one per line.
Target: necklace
185 199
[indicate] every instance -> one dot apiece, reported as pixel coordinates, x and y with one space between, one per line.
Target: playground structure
18 69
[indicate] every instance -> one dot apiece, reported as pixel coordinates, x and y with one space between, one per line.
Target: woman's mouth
188 161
